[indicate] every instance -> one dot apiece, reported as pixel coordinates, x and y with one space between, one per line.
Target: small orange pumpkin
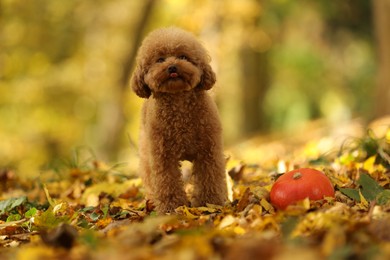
299 184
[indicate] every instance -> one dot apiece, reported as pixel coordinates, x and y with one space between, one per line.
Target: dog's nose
172 69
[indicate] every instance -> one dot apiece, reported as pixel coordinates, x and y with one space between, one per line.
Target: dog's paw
204 199
169 206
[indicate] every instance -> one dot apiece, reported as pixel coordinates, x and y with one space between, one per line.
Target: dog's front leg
209 180
168 186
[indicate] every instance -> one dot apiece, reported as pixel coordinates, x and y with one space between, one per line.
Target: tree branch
128 63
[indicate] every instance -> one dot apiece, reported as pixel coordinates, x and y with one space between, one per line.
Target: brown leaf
245 200
102 223
6 178
149 207
11 230
236 172
132 192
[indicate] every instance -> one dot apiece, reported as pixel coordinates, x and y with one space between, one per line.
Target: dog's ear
138 84
208 78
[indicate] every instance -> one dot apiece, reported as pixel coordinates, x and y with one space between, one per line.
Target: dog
179 121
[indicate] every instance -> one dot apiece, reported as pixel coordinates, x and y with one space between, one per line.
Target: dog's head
171 60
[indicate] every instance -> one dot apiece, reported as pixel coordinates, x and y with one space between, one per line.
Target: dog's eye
183 57
160 60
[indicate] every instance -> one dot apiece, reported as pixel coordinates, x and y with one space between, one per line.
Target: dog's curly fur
179 121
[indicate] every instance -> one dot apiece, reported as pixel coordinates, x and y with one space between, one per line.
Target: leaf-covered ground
88 210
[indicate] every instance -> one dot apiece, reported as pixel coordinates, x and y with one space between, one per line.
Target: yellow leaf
49 199
227 221
239 230
14 243
256 210
263 223
231 163
185 211
266 205
92 200
207 209
306 203
57 208
213 206
369 164
114 189
229 185
121 203
363 202
102 223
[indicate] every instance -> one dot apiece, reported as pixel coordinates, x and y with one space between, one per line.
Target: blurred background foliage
65 65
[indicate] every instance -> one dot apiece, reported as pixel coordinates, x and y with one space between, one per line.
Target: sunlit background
65 65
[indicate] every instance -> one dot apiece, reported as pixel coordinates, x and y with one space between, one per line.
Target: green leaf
86 209
370 188
13 217
84 224
49 220
94 216
383 198
30 213
10 204
105 209
370 145
351 193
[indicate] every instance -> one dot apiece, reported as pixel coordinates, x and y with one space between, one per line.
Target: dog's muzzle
172 70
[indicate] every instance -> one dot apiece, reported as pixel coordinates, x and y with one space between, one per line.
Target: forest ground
87 209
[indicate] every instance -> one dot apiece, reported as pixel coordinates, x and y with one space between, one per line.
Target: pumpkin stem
297 175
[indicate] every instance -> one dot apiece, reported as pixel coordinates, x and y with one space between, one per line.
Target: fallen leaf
227 221
244 201
10 204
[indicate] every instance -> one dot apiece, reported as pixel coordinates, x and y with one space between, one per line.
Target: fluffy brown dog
179 121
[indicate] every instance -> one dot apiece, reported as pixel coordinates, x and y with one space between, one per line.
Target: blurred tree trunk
255 83
254 79
114 120
381 9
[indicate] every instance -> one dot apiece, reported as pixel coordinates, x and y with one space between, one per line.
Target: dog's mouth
175 82
174 79
173 75
173 72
